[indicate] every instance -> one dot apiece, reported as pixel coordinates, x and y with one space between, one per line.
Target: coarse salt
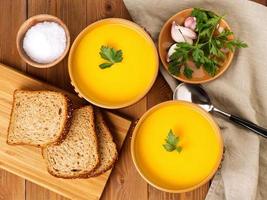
45 42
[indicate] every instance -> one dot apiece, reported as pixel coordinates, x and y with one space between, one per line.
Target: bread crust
44 153
64 131
93 173
66 128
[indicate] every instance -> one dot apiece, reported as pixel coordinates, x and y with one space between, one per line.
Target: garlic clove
220 29
171 51
187 32
188 40
182 34
176 33
190 22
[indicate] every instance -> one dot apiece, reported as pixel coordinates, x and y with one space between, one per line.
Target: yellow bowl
199 137
123 83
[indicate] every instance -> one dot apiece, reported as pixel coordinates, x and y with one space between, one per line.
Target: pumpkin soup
107 82
197 148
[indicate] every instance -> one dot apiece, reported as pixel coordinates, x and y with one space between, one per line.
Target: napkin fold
242 91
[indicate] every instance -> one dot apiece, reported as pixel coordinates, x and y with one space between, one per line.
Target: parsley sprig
110 55
171 142
207 50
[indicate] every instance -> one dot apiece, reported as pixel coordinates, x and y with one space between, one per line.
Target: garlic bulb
190 22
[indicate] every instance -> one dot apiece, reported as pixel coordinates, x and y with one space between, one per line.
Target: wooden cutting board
27 162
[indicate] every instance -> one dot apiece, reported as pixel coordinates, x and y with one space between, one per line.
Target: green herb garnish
110 55
171 142
207 50
188 72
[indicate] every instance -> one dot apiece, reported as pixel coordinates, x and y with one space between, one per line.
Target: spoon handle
251 126
243 122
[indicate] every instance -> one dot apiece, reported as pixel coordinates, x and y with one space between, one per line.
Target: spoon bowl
193 93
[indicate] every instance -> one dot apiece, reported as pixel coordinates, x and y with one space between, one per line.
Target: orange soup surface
198 136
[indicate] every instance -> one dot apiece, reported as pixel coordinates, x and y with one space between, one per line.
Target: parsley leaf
105 65
188 72
171 142
179 149
174 68
110 55
232 44
207 50
198 57
211 67
215 48
179 58
171 138
168 147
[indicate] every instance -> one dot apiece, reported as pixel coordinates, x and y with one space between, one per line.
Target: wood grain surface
124 183
27 161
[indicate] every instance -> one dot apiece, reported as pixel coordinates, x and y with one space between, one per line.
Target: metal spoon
196 94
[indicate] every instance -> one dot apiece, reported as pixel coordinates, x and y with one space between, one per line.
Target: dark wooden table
124 183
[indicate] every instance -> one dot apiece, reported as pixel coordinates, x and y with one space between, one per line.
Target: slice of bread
78 153
38 118
107 148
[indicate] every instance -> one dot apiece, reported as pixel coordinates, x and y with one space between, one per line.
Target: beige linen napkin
242 91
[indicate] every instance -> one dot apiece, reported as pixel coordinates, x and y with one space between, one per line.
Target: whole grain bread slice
107 148
78 153
38 118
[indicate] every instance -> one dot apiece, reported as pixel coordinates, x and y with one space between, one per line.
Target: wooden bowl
149 156
28 24
165 41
